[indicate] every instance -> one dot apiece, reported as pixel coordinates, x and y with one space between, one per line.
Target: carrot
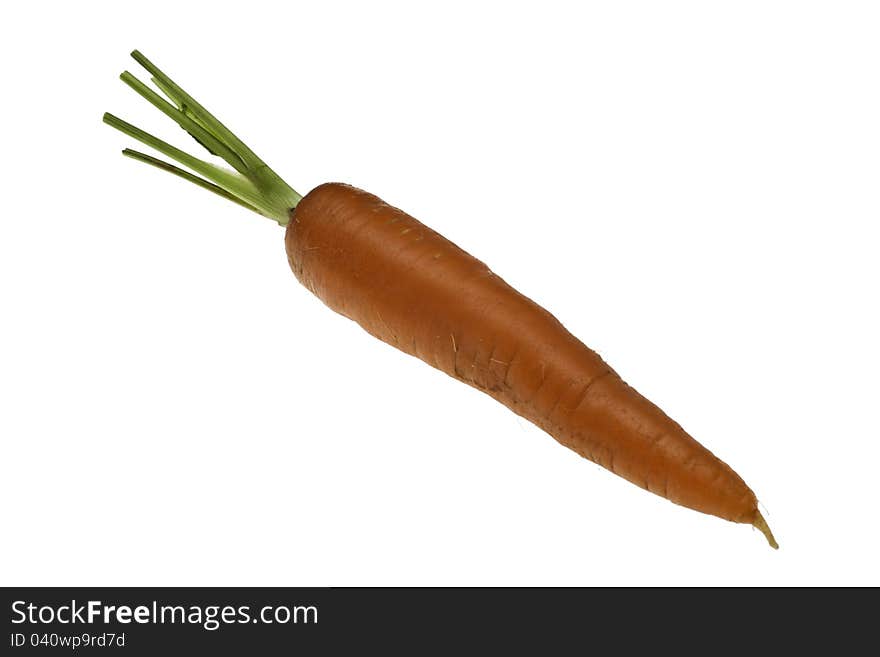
412 288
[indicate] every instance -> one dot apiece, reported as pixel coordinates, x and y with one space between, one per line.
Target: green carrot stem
186 175
252 185
199 133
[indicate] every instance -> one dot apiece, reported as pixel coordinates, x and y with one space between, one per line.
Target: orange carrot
415 290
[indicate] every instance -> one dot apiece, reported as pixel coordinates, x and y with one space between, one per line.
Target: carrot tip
761 524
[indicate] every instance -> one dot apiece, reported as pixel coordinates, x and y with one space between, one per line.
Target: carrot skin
415 290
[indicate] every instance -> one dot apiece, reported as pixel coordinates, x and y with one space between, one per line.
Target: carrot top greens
252 184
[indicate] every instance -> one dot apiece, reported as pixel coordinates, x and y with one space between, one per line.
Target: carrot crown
252 184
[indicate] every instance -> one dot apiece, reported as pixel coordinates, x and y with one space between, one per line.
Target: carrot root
762 525
428 287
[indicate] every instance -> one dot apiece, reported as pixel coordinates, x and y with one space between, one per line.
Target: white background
691 187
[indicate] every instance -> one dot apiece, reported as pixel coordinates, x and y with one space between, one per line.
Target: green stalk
252 184
199 133
186 175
